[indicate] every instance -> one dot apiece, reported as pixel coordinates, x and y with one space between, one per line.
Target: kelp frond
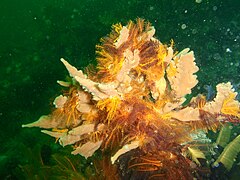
224 135
229 153
195 154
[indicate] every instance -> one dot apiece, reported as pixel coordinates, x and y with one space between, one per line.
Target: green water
35 34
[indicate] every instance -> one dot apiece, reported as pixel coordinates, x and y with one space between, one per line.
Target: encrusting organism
133 104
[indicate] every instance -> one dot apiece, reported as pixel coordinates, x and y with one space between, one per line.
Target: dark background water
35 34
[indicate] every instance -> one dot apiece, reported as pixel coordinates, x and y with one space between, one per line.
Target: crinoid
105 170
160 165
68 105
133 109
69 109
145 164
110 105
